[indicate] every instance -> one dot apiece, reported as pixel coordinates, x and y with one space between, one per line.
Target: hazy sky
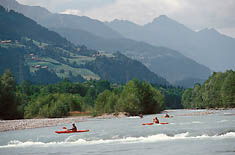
196 14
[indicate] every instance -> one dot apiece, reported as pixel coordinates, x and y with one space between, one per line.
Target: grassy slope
55 65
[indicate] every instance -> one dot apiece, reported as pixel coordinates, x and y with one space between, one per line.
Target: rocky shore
8 125
113 115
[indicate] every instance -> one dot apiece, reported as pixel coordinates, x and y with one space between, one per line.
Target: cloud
230 31
139 11
73 12
62 5
207 13
196 14
199 12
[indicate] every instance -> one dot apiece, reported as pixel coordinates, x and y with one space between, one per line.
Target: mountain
27 49
208 47
165 62
125 68
27 28
47 19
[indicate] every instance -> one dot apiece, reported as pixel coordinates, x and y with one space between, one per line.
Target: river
189 132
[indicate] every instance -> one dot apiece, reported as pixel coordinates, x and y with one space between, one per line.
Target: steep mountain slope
207 47
125 68
47 19
165 62
38 58
27 28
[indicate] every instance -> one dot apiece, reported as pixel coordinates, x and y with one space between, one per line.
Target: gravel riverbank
8 125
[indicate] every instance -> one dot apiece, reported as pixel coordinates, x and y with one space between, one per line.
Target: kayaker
74 128
155 120
141 115
167 116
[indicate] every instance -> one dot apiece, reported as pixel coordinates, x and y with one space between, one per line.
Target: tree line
28 100
217 92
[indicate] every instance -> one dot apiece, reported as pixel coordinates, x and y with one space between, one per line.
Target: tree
139 97
8 100
105 102
228 90
187 98
216 92
54 105
102 85
129 100
196 96
151 99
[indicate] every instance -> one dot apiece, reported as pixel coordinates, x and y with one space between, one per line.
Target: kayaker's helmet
73 124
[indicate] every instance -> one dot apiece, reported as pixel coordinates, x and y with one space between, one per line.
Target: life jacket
156 120
74 129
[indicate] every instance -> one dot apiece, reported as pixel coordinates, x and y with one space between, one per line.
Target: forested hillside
125 69
43 56
217 92
14 26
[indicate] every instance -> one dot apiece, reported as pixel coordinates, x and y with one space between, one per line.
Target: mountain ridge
208 46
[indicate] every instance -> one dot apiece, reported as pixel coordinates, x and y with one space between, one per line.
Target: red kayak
147 124
69 131
153 123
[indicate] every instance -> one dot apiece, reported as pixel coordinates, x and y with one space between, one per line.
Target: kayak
69 131
166 117
147 124
153 123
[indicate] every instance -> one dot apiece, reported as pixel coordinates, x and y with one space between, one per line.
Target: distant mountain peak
118 21
166 22
163 19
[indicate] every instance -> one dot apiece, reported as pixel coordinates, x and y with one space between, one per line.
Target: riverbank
9 125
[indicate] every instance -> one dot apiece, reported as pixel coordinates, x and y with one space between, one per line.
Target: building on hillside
5 41
37 66
44 67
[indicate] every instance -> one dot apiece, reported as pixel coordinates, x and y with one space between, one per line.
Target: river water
189 132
